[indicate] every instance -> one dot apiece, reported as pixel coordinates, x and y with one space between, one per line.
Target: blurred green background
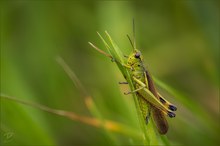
180 43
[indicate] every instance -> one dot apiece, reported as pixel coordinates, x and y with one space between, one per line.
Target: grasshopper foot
123 82
126 93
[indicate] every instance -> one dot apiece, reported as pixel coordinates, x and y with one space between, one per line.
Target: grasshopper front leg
134 91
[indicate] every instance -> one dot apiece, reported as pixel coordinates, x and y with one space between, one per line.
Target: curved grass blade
106 124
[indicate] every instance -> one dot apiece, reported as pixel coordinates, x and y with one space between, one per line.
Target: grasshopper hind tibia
172 107
171 114
166 103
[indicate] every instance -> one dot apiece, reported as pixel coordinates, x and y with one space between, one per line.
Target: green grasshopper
142 81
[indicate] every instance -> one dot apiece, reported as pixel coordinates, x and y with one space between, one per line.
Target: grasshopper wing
160 121
158 115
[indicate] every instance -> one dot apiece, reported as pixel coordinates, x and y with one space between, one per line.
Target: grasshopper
143 82
158 106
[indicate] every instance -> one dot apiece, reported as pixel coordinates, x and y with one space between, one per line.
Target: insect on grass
143 83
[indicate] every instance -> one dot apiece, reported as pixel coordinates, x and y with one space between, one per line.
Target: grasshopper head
135 57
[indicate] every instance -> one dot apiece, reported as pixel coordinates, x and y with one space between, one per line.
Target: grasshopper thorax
135 63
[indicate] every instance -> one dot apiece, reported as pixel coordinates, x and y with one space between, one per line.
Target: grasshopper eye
137 55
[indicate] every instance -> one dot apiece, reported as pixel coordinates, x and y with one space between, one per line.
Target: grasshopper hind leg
166 103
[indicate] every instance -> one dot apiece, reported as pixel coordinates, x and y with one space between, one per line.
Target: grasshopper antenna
134 35
130 41
133 44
